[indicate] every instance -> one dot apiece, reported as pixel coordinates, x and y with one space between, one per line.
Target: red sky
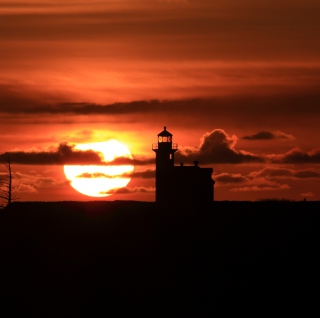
240 76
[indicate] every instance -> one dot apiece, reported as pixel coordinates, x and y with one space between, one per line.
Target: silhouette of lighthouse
179 184
164 150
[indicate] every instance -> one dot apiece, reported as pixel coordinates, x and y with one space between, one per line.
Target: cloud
274 172
148 174
37 181
137 161
255 188
18 100
296 156
217 147
66 153
31 183
87 175
63 154
130 190
281 135
256 182
15 102
262 135
22 188
307 174
227 178
265 178
267 135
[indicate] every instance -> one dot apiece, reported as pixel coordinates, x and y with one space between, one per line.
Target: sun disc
100 180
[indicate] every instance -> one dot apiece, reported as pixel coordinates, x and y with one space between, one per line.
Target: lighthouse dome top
165 133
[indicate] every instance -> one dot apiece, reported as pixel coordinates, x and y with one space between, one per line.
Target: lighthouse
179 184
165 151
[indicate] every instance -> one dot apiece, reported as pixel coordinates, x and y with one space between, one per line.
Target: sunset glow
236 83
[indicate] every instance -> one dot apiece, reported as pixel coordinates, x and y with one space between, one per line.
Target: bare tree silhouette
6 182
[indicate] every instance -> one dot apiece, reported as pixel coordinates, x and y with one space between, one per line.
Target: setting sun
100 180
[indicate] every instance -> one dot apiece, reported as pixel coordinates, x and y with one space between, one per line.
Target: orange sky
245 74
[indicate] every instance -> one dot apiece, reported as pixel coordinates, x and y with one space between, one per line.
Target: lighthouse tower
164 150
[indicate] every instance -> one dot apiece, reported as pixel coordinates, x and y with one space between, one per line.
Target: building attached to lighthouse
179 184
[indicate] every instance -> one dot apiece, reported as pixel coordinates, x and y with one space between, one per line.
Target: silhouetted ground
128 259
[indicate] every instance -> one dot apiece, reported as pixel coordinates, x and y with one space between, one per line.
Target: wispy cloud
63 154
267 135
32 183
255 188
266 175
228 178
130 190
148 174
296 156
261 184
276 172
267 179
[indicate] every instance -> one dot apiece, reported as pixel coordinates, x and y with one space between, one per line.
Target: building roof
165 133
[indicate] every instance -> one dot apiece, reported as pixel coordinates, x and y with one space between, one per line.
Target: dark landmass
134 259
